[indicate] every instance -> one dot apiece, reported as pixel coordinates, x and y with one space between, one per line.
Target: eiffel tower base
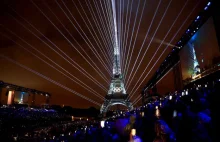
111 102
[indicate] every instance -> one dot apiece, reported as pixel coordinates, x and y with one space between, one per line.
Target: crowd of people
187 115
15 122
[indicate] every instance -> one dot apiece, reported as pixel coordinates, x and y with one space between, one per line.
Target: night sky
75 37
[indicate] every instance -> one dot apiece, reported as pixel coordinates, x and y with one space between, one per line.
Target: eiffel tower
117 93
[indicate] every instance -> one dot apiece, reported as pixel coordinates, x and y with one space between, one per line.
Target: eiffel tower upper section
117 85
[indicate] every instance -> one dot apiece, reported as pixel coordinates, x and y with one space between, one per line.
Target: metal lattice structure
117 93
14 87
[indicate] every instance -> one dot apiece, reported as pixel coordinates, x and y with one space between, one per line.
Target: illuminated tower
117 93
196 68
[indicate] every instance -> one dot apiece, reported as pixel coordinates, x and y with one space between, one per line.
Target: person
130 125
134 137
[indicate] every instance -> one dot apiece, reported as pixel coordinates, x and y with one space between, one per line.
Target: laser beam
155 13
167 45
151 40
50 80
74 79
94 51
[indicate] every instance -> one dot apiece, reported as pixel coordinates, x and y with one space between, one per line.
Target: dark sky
76 35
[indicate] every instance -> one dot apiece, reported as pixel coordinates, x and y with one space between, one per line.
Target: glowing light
117 89
116 64
157 113
174 113
209 3
102 123
10 97
142 114
170 97
197 76
133 132
183 93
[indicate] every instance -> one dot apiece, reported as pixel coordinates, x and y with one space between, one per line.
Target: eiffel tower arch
116 95
105 106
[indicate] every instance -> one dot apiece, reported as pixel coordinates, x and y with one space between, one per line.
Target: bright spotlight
170 97
102 124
